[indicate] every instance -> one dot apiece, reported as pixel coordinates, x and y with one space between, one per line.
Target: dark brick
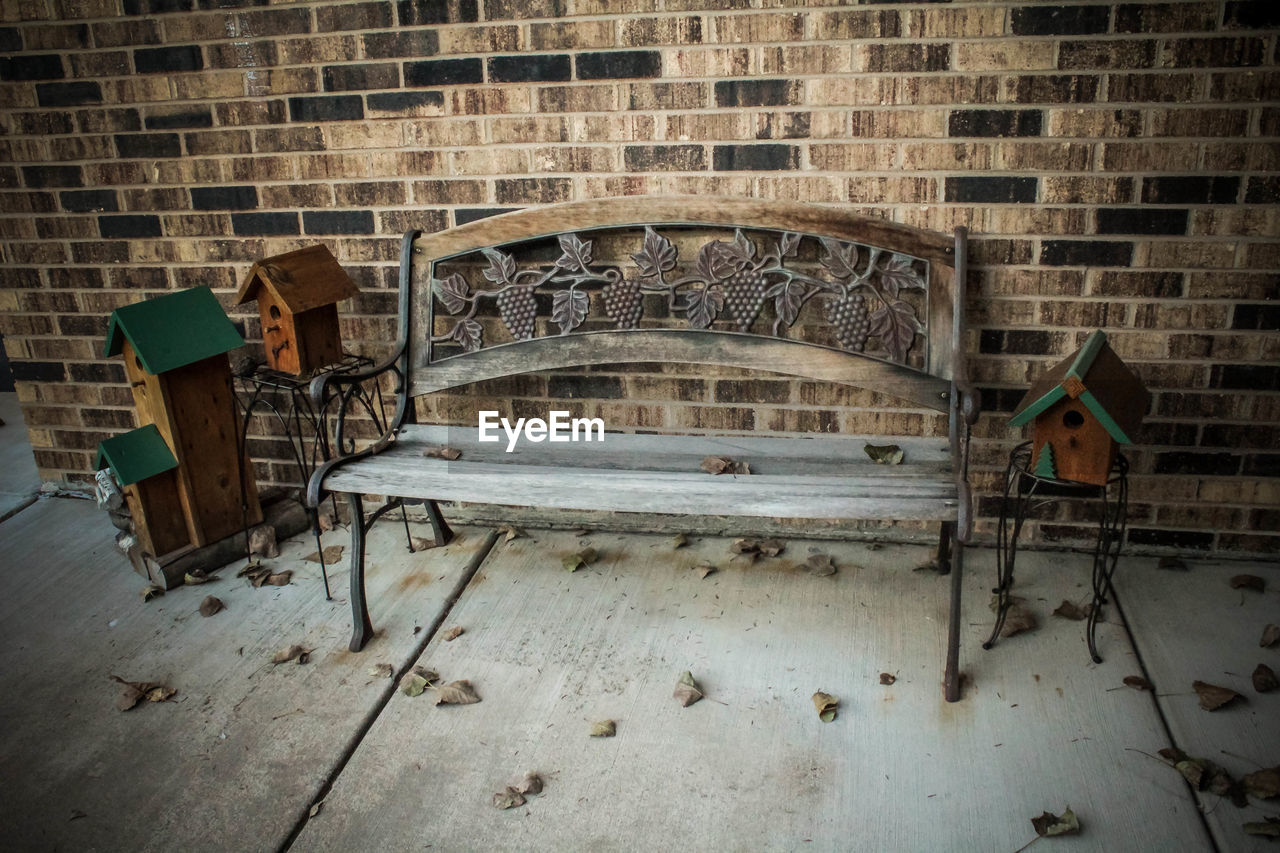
414 13
585 387
355 16
83 325
1201 52
532 190
907 57
147 145
443 72
100 252
1001 399
98 372
994 123
52 176
39 66
1249 377
129 226
1251 14
1190 189
757 93
1262 190
74 94
76 278
1136 220
664 158
341 78
89 201
152 7
1091 53
1241 437
463 215
1165 17
757 391
224 198
108 121
994 190
1198 463
1018 342
1086 253
337 222
1059 20
174 121
264 224
155 60
1256 316
1160 285
38 371
1250 543
619 65
768 157
1056 89
1262 465
400 102
10 39
536 68
407 43
1197 540
326 108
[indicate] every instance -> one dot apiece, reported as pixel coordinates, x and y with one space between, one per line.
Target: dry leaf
1270 636
1172 564
884 454
416 680
280 579
1213 697
745 546
530 784
1270 828
456 693
211 605
262 541
295 652
577 560
1017 620
508 798
1049 824
826 705
1137 682
1194 771
509 533
251 565
196 577
381 670
724 465
315 810
1071 610
679 541
150 591
1264 679
454 633
134 692
687 690
443 452
820 565
1263 784
931 566
604 728
1252 582
704 569
771 547
887 678
331 554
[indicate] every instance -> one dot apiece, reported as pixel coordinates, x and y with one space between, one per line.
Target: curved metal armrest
319 388
970 403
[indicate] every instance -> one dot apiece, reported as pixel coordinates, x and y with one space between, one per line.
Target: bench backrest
796 289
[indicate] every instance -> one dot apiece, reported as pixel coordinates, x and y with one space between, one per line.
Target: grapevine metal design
730 282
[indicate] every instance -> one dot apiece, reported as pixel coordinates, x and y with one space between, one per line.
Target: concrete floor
325 756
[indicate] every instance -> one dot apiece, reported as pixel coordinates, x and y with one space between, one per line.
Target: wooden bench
785 288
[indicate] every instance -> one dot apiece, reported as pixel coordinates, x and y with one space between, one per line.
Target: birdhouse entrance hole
274 311
1071 419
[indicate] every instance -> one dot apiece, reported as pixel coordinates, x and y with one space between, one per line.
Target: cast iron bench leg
944 547
951 683
359 608
443 534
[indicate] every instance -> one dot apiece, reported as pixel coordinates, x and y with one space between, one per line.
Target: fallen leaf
1252 582
315 810
704 569
457 693
1194 770
1017 620
887 678
1172 564
931 566
454 633
1270 636
211 605
884 454
134 692
826 705
508 533
278 579
508 798
196 577
724 465
1269 828
150 591
1050 824
820 565
1220 783
1173 755
604 728
679 541
1264 679
745 546
577 560
331 554
1137 682
251 565
1213 697
416 680
994 603
1071 610
76 814
1263 784
295 652
422 544
687 690
443 452
530 784
771 547
381 670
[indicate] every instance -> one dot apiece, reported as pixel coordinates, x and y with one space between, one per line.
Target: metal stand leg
944 547
362 627
314 515
951 677
408 537
443 534
1007 545
1112 520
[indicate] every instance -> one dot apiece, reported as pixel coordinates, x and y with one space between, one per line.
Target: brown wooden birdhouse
146 470
297 294
175 357
1083 410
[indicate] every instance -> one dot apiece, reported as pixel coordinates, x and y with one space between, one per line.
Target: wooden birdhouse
175 356
297 294
1083 409
146 469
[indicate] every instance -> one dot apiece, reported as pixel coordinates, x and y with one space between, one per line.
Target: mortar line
372 717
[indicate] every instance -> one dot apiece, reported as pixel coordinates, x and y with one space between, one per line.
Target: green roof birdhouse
146 469
1083 410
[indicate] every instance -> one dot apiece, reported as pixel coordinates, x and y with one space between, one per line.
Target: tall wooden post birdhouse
1083 409
175 356
297 294
147 471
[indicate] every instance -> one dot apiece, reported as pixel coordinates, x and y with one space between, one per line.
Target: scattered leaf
1252 582
457 693
1269 828
704 569
442 452
577 560
250 566
724 465
1017 620
687 690
745 546
1050 824
1173 755
1263 784
1137 682
134 692
770 547
331 554
1270 636
820 565
931 566
1071 610
679 541
1172 564
1213 697
211 605
454 633
76 814
279 579
826 704
315 810
508 533
508 798
530 784
196 577
604 728
381 670
884 454
1220 783
1264 679
150 591
416 680
1194 771
887 678
295 652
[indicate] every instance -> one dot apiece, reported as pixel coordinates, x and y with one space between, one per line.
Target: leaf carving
718 260
703 305
656 256
900 272
502 267
896 326
469 334
453 292
569 309
788 243
577 253
840 259
787 303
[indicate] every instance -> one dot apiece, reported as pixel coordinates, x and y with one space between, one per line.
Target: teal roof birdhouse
146 469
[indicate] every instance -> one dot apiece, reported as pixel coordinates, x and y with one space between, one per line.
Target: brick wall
1118 164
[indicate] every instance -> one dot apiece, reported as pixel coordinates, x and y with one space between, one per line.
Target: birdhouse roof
136 455
1097 377
302 280
173 330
